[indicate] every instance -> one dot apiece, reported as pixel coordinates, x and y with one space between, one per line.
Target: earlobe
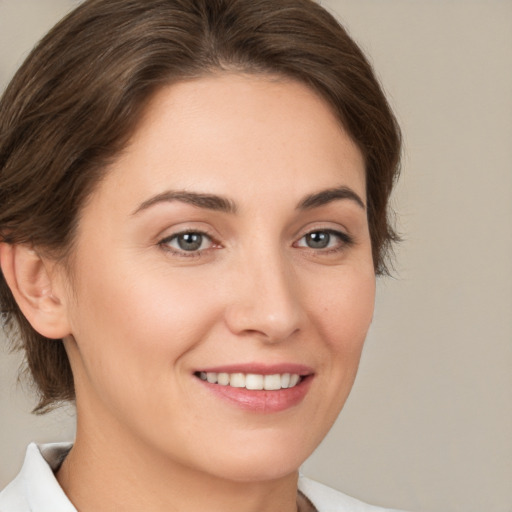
33 286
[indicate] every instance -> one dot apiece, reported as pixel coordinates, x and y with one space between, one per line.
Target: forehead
234 130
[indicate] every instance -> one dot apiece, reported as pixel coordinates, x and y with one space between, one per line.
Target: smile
252 381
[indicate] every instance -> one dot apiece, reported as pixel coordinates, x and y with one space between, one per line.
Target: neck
105 472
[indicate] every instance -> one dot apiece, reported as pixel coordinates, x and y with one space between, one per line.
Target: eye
325 239
188 242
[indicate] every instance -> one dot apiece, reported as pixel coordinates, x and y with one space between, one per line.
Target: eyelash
345 241
165 243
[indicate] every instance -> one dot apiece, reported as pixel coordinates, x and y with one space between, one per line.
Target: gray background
429 424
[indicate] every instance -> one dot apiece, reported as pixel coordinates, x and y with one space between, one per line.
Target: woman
193 212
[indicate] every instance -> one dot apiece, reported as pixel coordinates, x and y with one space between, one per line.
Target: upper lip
260 368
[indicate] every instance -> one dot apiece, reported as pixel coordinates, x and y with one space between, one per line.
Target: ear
36 289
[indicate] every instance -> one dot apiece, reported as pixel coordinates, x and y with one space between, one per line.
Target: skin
142 315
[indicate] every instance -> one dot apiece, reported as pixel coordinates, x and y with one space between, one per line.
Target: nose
264 300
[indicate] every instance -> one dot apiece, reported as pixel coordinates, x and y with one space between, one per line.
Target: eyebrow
208 201
327 196
222 204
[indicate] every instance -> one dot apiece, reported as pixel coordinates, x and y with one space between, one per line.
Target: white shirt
36 489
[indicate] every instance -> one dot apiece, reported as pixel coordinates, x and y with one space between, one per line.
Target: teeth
271 382
294 379
252 381
223 379
237 380
285 380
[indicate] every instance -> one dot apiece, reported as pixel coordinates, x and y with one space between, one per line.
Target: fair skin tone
230 237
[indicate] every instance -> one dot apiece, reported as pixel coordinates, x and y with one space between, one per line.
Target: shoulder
326 499
36 489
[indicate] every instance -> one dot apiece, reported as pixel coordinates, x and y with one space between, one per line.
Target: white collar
36 489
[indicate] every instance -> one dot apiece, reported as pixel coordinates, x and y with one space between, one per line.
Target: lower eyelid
166 241
344 238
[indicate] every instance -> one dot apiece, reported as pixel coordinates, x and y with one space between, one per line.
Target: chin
250 472
262 462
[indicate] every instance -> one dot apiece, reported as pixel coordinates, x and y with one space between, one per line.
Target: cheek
133 328
341 313
345 311
344 315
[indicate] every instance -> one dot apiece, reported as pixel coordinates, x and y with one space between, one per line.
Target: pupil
190 241
318 240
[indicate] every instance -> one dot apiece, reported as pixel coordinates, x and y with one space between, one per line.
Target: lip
261 401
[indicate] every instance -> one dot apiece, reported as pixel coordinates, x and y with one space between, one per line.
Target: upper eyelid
166 239
337 232
328 226
173 232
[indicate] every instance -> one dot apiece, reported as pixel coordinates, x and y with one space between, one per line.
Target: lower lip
262 401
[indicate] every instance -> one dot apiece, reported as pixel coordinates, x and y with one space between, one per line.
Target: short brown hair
73 104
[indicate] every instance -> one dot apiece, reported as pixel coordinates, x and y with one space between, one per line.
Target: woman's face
229 242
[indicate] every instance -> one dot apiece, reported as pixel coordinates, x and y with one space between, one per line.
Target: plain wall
428 426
